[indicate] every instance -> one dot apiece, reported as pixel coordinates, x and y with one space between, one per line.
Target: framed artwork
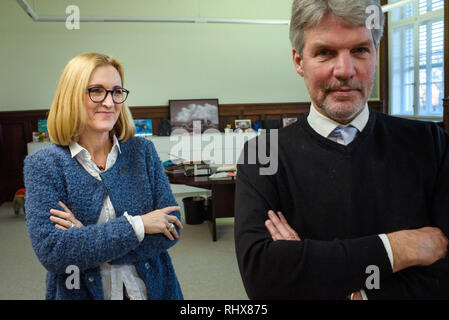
288 121
243 124
42 125
144 127
184 112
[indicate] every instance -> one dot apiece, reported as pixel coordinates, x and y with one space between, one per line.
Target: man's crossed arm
416 247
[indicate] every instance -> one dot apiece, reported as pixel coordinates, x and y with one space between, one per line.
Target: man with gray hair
359 205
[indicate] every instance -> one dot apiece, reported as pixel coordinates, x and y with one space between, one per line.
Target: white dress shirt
113 277
324 126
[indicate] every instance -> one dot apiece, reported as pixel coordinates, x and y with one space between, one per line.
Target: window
416 54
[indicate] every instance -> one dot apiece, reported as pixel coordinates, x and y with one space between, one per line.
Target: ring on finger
171 227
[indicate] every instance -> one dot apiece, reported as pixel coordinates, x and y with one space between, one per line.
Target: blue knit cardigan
136 184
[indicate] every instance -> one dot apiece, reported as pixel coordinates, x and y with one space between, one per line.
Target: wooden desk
223 192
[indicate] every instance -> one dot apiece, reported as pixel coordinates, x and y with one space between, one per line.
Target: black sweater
393 176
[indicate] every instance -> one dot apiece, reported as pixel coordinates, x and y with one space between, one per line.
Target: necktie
347 134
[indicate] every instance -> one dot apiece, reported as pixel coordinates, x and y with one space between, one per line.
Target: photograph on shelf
288 121
144 127
41 134
42 125
184 112
243 124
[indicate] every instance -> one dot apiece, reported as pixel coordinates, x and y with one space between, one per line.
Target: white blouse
114 277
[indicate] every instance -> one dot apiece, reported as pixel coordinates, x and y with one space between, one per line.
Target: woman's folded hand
160 221
64 219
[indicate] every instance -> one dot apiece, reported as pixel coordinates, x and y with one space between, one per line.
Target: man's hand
418 247
278 227
356 296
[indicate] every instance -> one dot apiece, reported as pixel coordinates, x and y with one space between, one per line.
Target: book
197 170
173 168
197 162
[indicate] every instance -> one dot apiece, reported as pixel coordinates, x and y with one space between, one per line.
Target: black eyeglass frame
89 90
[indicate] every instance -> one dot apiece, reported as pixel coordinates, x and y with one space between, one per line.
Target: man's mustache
347 84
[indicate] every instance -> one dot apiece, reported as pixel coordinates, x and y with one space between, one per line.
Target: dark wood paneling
446 65
15 133
384 80
16 130
157 114
446 113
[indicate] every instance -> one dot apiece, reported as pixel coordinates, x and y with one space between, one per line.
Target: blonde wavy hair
67 116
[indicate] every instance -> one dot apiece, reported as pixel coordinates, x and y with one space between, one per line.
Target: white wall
236 63
232 62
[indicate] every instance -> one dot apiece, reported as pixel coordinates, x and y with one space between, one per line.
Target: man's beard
343 115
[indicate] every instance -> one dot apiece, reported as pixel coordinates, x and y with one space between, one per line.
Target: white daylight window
416 53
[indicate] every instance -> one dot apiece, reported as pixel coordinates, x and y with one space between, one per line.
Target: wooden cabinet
16 130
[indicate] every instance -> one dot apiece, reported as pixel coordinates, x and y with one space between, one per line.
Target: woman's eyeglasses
99 94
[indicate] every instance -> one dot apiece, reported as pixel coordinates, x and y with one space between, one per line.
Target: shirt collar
76 148
116 143
324 125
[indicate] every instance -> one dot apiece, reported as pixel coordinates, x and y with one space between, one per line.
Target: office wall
233 62
236 63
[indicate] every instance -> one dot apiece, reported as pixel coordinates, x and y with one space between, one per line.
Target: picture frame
144 127
288 121
243 124
184 112
42 125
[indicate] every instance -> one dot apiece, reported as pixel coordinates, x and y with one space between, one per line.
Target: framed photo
288 121
243 124
42 125
184 112
144 127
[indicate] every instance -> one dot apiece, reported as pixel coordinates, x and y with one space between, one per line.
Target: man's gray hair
309 13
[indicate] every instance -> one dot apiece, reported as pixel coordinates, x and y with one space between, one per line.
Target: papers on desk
227 168
222 176
224 172
189 169
200 168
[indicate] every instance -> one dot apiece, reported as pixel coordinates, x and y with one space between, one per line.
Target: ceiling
187 11
276 11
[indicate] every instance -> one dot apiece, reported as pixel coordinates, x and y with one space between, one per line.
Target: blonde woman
99 208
